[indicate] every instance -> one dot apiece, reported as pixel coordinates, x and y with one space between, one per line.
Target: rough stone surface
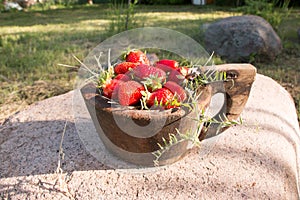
256 160
298 33
238 38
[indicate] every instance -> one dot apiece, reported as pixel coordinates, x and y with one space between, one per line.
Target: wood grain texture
240 78
117 122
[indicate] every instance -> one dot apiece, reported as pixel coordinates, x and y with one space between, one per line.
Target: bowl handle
236 88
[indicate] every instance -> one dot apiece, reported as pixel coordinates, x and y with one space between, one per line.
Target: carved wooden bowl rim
133 112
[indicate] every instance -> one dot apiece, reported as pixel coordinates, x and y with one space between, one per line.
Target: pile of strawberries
134 82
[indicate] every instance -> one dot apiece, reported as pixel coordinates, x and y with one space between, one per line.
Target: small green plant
2 9
45 5
122 15
273 11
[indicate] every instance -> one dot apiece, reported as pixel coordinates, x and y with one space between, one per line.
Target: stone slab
256 160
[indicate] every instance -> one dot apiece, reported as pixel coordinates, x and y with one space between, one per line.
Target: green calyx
145 96
153 82
105 76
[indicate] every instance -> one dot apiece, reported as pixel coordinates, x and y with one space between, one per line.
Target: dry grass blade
69 66
88 69
61 154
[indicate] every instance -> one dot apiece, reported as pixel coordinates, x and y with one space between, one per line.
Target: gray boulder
237 39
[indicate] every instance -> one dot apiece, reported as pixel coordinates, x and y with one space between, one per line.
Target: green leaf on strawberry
105 78
153 82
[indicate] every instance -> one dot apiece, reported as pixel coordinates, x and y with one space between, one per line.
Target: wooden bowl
133 135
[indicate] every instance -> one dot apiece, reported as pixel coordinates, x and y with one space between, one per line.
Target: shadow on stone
33 148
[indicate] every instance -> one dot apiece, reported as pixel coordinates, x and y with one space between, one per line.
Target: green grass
34 42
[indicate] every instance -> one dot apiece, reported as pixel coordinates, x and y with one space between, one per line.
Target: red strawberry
137 56
178 75
165 68
130 93
122 77
141 72
111 87
170 63
162 98
177 90
124 67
